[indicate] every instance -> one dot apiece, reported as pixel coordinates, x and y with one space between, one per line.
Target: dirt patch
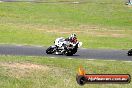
23 69
89 30
107 34
22 65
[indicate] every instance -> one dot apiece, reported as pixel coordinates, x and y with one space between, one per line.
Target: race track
104 54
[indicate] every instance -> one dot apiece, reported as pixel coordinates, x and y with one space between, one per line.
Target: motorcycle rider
72 38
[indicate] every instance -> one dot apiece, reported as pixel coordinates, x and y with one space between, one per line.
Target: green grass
114 14
98 23
17 72
11 34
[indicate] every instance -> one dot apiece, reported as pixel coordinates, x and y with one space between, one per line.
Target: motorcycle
129 53
62 47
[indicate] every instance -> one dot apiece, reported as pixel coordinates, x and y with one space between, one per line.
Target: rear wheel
130 52
74 50
50 50
68 53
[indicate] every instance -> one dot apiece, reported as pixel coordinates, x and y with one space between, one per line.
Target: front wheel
50 50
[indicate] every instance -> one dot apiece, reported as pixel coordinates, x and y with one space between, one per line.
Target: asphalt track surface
104 54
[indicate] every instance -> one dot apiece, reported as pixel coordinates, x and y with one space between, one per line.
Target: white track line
26 45
127 61
109 60
52 57
92 59
69 58
75 2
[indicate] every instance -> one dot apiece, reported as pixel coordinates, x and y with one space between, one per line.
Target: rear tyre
68 53
50 50
74 50
129 53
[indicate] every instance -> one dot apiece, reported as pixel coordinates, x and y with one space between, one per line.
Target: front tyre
68 53
50 50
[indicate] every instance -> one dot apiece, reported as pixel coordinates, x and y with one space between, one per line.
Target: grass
32 72
114 14
12 34
99 24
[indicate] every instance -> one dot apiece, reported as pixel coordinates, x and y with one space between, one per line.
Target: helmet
73 35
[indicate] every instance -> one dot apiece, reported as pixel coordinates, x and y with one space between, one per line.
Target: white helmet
73 35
